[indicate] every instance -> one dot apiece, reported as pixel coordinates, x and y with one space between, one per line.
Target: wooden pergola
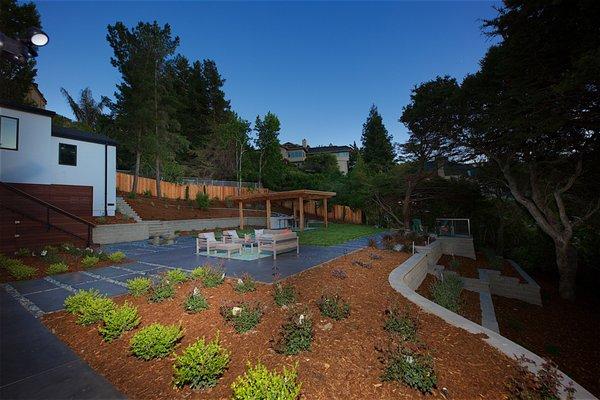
298 197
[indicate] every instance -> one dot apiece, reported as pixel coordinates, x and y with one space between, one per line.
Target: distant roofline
22 107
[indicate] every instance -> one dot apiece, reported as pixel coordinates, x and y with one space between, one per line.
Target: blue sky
319 66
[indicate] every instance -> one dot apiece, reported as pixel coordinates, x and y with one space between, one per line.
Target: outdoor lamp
37 37
22 49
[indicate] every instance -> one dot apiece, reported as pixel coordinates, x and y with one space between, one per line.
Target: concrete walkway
35 364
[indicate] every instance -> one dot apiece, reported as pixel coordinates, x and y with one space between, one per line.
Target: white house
34 152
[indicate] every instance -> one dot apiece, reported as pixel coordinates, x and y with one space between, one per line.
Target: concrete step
126 209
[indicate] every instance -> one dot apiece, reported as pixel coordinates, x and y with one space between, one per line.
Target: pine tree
267 143
377 149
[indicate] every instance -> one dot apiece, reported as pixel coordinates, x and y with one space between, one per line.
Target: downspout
105 179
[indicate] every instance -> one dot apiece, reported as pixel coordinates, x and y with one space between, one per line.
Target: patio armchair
232 237
278 241
206 240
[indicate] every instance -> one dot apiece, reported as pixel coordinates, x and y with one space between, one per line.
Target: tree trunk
158 178
500 237
136 174
406 208
566 260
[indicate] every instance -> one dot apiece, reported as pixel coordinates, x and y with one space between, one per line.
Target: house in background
297 154
447 169
44 168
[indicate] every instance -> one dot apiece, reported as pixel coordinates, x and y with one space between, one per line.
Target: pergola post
325 211
268 201
241 215
301 208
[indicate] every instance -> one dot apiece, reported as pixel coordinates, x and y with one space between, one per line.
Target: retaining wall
410 274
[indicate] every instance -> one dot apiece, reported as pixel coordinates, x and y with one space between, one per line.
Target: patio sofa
278 241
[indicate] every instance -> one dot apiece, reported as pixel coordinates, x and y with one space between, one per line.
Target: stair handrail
48 205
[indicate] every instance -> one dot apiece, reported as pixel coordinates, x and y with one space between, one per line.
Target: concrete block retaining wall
119 233
458 246
409 275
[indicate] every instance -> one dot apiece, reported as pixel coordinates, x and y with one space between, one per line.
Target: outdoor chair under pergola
297 197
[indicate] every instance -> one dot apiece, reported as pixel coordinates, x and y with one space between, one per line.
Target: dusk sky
318 66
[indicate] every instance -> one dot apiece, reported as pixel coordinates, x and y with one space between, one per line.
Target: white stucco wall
36 160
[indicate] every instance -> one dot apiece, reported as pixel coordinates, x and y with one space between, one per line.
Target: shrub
117 256
23 252
412 368
334 307
195 302
51 255
139 286
89 261
284 294
95 310
132 195
446 292
242 316
18 270
147 193
296 334
119 320
75 302
155 341
339 273
496 263
163 291
57 268
402 324
545 385
176 276
260 383
454 263
202 201
201 364
210 275
245 284
229 202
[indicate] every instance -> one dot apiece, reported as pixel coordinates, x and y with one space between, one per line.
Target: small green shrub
23 252
75 302
57 268
412 368
147 193
201 364
51 255
284 294
202 201
334 307
117 256
131 195
446 292
162 291
95 310
454 263
195 302
119 320
401 323
229 202
155 341
242 316
260 383
18 270
296 333
210 275
245 284
139 286
176 276
89 261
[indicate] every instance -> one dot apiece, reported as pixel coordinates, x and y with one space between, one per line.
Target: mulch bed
153 208
469 267
118 218
38 262
564 331
471 308
343 362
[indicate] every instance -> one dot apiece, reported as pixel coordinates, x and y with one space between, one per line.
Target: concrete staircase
126 209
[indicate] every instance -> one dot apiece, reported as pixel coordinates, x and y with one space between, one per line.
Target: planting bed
118 218
153 208
343 361
468 267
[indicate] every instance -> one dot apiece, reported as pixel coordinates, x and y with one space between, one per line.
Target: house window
9 133
296 154
67 154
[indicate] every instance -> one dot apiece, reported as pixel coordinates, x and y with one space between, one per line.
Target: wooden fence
124 183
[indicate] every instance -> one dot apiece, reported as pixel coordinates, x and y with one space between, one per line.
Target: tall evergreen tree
16 79
268 147
377 148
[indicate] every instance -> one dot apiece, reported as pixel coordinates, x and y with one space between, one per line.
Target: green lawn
336 234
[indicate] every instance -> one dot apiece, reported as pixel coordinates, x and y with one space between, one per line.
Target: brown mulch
153 208
38 262
343 362
564 331
118 218
471 308
469 267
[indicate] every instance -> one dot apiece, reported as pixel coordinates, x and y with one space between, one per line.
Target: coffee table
228 247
